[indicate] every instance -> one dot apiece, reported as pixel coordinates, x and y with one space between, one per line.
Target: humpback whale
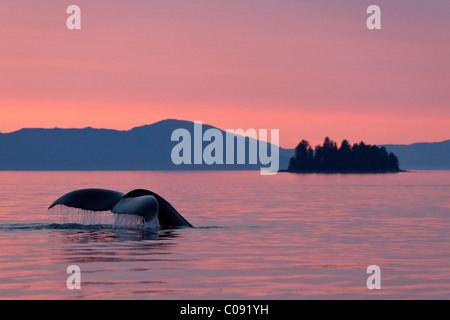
154 209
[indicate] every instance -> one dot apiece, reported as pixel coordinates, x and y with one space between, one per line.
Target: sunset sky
309 68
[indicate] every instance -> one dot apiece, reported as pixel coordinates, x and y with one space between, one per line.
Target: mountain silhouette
149 148
142 148
423 156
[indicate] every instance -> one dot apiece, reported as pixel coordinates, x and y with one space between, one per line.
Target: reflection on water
71 234
128 256
284 237
121 245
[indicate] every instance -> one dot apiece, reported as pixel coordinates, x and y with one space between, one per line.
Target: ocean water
288 236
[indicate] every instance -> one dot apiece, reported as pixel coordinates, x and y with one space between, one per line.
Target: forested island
359 158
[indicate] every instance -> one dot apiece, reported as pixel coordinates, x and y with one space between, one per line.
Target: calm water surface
286 236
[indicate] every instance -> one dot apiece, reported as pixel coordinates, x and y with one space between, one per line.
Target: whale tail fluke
139 202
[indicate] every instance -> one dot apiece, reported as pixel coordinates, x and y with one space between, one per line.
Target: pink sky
308 68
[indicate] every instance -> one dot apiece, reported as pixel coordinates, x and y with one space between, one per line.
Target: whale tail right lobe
168 215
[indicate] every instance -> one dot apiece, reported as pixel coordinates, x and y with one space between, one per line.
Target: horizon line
181 120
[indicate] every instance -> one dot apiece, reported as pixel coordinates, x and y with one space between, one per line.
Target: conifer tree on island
328 157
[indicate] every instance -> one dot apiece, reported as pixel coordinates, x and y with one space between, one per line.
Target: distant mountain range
423 156
142 148
149 148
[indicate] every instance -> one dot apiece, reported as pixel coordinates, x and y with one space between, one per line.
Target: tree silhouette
305 156
327 157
